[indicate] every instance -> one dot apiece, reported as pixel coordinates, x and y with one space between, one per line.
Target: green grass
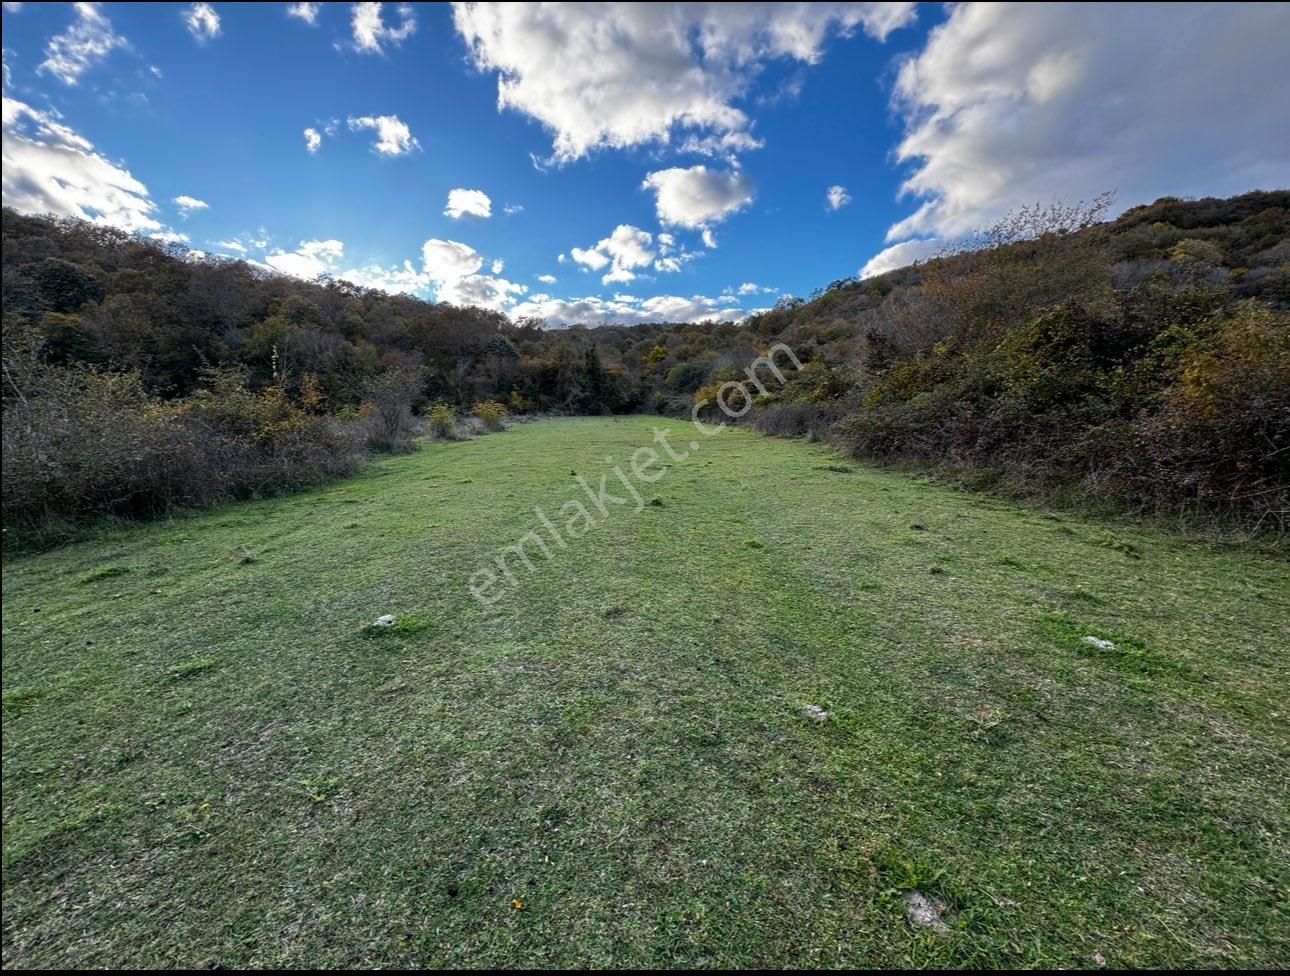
216 763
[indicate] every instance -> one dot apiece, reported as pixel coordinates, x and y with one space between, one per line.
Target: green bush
491 413
441 419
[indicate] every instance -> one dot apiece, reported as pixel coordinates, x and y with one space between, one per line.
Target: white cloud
480 290
84 44
399 280
51 168
837 197
709 238
624 252
447 260
187 204
308 12
619 75
627 310
698 196
370 32
243 244
671 257
591 258
311 259
547 279
1012 105
454 268
394 138
468 203
511 209
449 269
169 237
313 139
752 288
696 308
202 21
899 255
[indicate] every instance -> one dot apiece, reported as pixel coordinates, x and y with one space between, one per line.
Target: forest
1140 363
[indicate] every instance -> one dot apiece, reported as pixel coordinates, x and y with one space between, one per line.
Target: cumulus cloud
619 75
624 252
402 279
547 279
627 310
169 237
483 291
243 244
187 204
1011 105
202 21
449 269
453 269
698 196
446 260
899 255
511 209
308 12
310 260
671 255
371 32
468 203
51 168
393 137
837 197
590 258
313 140
84 44
751 288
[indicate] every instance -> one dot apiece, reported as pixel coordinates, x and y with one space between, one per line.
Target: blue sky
651 160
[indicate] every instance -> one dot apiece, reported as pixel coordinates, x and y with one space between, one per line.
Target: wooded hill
1144 360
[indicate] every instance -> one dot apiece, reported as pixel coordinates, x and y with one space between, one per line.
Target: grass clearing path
207 761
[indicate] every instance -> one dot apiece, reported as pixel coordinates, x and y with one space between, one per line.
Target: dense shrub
388 405
80 442
492 415
441 420
1222 435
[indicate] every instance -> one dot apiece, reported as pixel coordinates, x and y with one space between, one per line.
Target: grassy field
210 761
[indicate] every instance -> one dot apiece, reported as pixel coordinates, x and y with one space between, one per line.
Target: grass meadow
211 760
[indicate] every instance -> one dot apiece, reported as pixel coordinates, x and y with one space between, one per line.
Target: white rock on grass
815 713
925 913
1101 645
386 621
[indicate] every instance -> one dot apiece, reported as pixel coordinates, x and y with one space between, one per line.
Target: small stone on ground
1099 643
816 713
386 621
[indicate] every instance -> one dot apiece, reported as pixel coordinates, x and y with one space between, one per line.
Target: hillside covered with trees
1144 360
